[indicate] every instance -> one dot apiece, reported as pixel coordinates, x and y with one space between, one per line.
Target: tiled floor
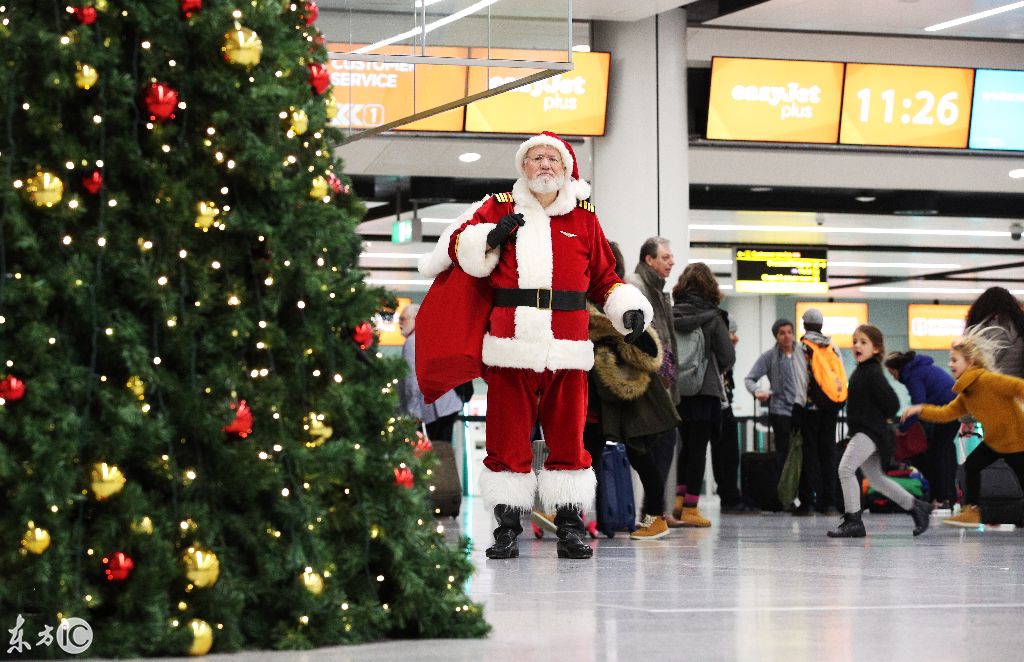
763 587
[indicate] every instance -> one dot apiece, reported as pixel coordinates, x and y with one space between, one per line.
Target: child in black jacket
871 403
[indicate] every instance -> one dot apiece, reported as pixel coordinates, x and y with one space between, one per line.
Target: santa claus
539 253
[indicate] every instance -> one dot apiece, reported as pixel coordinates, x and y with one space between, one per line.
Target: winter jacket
770 363
652 286
871 402
995 400
633 402
927 383
690 312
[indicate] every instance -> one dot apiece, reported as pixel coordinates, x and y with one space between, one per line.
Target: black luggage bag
447 494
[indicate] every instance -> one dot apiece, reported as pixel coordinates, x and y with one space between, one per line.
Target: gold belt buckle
551 298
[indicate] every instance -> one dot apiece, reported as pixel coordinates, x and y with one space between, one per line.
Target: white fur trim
438 260
538 354
541 139
474 258
627 297
534 257
509 488
567 488
580 189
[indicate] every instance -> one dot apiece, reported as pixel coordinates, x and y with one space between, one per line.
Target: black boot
921 511
509 528
570 534
850 527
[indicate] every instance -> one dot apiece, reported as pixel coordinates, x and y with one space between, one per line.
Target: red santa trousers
515 396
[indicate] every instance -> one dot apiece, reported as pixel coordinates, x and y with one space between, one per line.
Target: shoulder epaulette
503 197
586 204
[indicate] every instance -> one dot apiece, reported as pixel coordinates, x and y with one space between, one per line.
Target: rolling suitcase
447 494
616 510
759 475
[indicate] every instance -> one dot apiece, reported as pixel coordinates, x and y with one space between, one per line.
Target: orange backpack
827 386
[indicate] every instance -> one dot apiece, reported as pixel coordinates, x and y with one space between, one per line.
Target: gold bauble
44 188
144 525
107 480
312 581
201 567
299 121
318 430
202 637
242 46
318 189
85 75
331 107
206 215
35 540
137 386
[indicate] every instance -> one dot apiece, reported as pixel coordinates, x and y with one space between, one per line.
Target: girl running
871 403
995 400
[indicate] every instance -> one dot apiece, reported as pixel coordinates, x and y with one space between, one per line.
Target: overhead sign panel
840 320
997 117
775 100
795 271
935 326
886 104
572 103
370 94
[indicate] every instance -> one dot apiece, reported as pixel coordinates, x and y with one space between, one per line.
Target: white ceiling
906 17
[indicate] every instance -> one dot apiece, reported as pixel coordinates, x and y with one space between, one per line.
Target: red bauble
403 477
119 566
334 183
190 7
93 182
161 100
312 11
319 78
85 15
12 388
363 335
422 445
242 425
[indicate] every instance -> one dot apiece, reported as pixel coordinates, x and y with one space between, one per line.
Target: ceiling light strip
974 17
834 230
885 289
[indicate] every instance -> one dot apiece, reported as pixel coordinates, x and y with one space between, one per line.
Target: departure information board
784 271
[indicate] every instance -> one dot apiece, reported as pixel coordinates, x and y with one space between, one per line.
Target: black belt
543 299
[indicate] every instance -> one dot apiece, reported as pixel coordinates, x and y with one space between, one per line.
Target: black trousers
820 468
938 463
981 457
695 436
725 460
442 428
650 457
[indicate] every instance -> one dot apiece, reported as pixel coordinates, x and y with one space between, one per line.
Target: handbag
907 444
789 481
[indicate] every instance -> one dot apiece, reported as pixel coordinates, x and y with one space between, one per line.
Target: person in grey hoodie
787 391
696 297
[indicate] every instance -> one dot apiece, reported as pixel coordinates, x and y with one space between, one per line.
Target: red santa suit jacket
561 247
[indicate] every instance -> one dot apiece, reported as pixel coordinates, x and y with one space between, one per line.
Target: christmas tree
195 434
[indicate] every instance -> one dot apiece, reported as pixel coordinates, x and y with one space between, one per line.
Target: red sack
450 328
910 443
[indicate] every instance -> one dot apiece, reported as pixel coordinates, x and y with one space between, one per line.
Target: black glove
506 226
634 321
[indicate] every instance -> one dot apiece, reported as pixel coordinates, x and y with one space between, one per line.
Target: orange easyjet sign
775 100
935 326
840 320
571 103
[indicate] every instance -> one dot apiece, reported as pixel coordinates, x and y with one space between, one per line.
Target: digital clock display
906 106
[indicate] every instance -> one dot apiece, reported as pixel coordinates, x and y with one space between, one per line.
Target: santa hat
579 187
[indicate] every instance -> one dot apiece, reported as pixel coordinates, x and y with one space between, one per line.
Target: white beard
546 183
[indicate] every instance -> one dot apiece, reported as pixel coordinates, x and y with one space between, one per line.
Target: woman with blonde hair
996 400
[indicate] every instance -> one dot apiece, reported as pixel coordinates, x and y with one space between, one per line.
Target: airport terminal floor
751 587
